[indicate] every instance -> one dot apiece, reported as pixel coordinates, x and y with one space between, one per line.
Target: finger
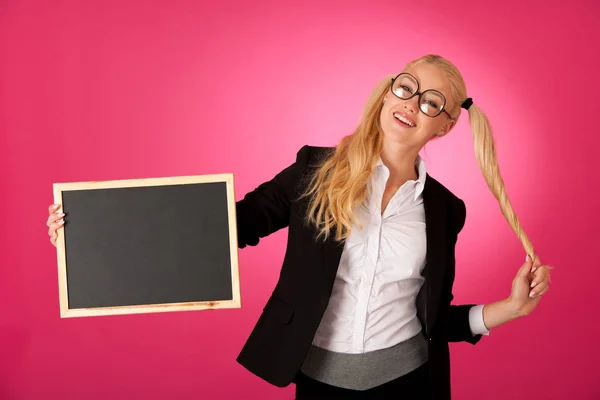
53 208
525 268
540 288
537 263
55 226
538 276
54 218
53 238
538 293
543 292
541 275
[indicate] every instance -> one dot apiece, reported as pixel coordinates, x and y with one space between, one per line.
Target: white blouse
373 303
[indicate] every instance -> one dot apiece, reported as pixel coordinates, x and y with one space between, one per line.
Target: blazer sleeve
459 326
266 209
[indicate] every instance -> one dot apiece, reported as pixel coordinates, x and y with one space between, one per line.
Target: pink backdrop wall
96 90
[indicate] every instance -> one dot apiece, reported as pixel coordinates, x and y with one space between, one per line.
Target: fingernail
533 284
54 207
532 294
61 222
60 215
533 269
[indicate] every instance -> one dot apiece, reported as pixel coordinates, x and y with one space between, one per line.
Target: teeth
401 118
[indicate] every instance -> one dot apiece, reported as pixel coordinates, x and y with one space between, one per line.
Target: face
422 127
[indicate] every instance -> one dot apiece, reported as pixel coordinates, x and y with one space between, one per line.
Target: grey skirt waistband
367 370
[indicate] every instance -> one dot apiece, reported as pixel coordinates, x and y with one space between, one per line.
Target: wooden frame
235 302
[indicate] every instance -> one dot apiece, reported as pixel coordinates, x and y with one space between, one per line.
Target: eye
408 89
431 103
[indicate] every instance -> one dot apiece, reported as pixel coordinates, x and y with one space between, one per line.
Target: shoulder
308 159
441 190
455 206
309 156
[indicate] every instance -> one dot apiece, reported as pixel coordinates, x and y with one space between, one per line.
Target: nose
412 104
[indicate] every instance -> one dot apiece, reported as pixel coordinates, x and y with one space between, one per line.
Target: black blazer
284 332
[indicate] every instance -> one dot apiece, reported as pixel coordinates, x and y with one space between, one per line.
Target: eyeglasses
431 102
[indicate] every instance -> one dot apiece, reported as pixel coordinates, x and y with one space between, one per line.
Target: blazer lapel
428 299
332 253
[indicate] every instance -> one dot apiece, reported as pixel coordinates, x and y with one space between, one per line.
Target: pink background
96 90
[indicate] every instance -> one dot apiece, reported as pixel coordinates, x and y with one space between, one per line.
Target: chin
400 137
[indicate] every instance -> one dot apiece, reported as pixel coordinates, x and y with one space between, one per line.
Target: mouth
404 120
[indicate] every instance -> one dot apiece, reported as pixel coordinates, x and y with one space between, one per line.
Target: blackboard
147 245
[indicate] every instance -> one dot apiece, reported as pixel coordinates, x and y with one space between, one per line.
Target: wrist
513 308
499 313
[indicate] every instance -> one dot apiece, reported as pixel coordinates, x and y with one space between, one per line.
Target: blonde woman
362 308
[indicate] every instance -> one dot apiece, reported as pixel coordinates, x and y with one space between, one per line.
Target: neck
400 160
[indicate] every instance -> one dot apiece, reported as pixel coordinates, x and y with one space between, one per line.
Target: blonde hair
339 184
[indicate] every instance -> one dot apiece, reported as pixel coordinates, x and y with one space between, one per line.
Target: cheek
430 126
385 118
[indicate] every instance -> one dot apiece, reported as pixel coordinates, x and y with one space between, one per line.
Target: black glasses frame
443 108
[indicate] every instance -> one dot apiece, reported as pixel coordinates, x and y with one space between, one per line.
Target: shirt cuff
476 321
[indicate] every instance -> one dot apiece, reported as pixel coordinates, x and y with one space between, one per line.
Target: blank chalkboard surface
147 245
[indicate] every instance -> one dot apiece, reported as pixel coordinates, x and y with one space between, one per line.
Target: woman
362 306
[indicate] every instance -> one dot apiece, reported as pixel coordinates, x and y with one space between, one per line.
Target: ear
447 128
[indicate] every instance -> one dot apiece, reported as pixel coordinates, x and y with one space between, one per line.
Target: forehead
430 77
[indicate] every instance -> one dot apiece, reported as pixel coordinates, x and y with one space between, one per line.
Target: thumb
525 268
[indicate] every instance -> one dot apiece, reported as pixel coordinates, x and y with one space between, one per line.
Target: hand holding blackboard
55 222
145 245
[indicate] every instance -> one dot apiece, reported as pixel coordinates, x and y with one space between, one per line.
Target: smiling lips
404 120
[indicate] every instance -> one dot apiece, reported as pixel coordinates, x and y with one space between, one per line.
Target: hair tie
467 103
